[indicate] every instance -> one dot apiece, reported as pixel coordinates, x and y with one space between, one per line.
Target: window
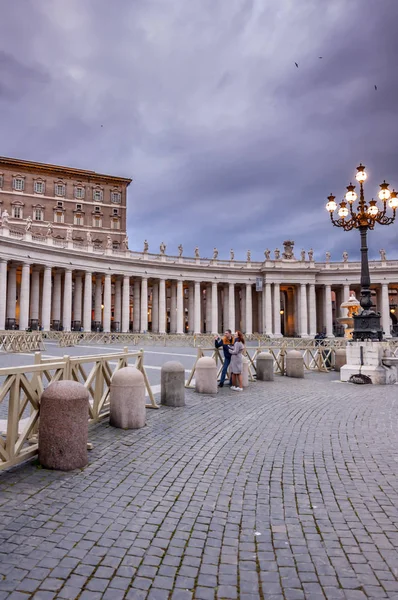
116 211
97 221
97 209
78 207
39 187
97 195
18 183
59 217
38 214
115 224
60 204
78 220
17 212
116 197
1 181
115 245
79 192
60 189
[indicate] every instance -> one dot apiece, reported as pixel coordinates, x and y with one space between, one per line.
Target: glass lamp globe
361 173
331 205
393 201
384 193
343 212
351 196
373 210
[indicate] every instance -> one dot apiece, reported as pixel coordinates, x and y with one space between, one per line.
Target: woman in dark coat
237 362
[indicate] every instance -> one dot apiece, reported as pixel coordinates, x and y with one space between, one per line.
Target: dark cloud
228 143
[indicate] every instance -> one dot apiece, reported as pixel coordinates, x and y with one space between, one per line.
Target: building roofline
59 169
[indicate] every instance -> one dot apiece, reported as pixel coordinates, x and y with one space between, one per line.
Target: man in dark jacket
225 341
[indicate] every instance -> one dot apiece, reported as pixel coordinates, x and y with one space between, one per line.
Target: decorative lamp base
367 327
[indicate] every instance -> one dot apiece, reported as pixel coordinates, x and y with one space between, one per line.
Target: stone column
260 325
98 298
191 308
144 304
303 311
208 307
126 304
136 306
56 308
24 297
118 303
277 308
214 308
155 307
162 306
11 292
35 294
249 309
385 311
173 307
88 300
67 310
346 294
107 302
231 307
3 293
77 298
225 306
46 300
268 310
241 322
312 310
197 307
180 307
328 311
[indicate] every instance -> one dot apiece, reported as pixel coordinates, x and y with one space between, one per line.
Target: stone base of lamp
371 357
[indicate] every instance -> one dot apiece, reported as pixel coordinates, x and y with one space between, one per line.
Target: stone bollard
265 367
340 359
206 376
172 384
127 399
294 364
245 373
63 426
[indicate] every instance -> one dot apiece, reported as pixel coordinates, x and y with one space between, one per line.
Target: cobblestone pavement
288 490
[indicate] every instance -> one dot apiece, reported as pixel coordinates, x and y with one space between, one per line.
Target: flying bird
320 56
296 64
376 87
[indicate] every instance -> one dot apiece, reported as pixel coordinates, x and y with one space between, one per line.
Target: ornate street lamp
367 323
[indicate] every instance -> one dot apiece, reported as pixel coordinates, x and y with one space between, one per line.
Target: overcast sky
229 144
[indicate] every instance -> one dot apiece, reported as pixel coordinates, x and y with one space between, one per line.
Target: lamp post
364 217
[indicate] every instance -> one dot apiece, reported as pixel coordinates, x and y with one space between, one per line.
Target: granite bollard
172 384
294 364
127 399
340 358
206 376
265 367
245 373
63 426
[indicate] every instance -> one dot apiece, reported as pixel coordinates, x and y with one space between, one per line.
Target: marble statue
215 253
28 225
69 233
108 242
267 254
89 238
146 246
162 248
288 250
302 254
328 255
345 256
311 254
197 252
126 243
180 250
49 231
277 253
4 217
383 255
231 254
248 256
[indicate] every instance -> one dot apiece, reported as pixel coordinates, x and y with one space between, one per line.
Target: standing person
225 342
237 362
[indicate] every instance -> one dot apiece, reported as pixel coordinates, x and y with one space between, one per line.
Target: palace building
65 265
